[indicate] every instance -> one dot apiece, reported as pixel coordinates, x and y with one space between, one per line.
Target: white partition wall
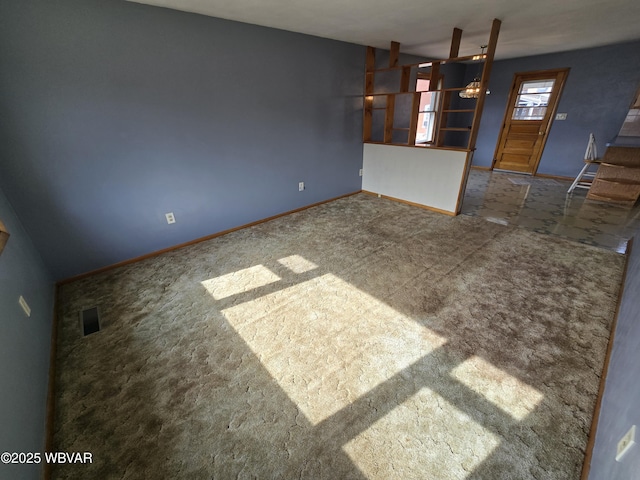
429 177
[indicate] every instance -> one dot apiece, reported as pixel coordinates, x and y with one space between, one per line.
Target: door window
532 100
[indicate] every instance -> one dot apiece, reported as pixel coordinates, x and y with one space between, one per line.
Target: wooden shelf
478 57
443 102
456 89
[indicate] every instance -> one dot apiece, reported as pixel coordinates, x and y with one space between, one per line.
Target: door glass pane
532 100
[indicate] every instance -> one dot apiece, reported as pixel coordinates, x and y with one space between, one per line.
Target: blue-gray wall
24 346
599 90
621 401
115 113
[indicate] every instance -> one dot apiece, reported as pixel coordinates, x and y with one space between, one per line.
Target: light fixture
473 89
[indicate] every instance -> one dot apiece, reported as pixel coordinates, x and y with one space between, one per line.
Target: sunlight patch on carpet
431 439
297 264
327 343
239 282
503 390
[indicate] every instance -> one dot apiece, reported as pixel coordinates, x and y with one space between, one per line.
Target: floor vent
90 321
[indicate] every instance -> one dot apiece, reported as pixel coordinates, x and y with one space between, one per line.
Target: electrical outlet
24 305
300 186
360 172
170 218
626 442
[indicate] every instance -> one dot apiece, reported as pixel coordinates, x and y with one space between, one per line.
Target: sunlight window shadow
325 341
424 437
297 264
503 390
240 282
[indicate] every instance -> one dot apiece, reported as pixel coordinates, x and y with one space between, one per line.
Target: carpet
359 339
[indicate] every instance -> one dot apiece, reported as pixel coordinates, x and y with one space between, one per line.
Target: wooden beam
455 43
367 121
415 113
445 104
369 79
370 64
484 82
435 76
394 54
370 67
388 118
405 78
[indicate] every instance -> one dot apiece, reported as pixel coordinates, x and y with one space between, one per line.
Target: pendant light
473 89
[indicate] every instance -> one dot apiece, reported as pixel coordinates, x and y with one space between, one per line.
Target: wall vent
90 321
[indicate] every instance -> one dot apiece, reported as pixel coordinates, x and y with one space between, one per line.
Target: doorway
532 104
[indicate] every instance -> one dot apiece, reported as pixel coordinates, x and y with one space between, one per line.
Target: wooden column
394 54
388 118
405 78
445 98
455 43
415 113
484 82
369 78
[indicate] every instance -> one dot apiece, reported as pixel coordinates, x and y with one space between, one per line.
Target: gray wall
621 401
24 346
115 113
601 86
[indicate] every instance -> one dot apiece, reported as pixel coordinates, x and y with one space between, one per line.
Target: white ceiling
424 27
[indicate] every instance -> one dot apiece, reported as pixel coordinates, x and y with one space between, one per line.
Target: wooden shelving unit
401 101
448 118
618 177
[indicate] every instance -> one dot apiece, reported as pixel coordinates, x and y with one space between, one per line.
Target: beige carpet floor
360 339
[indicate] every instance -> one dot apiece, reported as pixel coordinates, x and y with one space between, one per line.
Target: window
532 101
425 129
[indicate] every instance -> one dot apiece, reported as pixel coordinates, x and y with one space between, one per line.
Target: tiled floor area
543 205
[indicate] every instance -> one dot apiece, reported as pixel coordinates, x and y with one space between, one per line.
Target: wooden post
484 82
394 54
455 43
413 123
435 76
405 78
388 118
369 78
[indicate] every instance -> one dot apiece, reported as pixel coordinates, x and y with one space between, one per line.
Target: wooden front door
532 105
